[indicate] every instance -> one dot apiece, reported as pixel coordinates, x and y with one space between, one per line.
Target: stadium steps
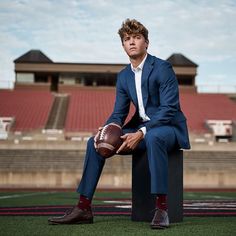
58 168
22 159
58 112
216 160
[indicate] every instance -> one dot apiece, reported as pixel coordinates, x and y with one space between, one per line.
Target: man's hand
130 141
96 137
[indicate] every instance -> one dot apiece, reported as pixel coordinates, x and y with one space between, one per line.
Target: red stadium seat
30 108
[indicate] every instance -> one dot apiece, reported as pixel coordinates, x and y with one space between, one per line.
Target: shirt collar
140 66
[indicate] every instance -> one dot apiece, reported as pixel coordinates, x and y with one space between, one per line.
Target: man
158 124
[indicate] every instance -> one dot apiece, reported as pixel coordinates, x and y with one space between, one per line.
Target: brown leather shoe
73 216
160 220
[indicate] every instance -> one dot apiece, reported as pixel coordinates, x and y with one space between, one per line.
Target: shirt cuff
144 130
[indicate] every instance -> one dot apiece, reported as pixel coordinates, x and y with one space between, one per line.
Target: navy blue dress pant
158 142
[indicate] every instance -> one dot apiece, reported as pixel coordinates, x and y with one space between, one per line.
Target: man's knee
161 136
154 138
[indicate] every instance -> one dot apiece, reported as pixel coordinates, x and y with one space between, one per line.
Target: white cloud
86 31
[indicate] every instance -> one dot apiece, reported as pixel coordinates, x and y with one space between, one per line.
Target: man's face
135 45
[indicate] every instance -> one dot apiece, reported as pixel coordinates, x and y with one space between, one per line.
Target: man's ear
147 42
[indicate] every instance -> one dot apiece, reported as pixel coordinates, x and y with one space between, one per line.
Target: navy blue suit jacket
160 98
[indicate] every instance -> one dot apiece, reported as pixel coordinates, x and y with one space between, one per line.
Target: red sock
84 203
161 201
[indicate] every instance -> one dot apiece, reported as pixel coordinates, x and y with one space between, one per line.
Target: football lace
102 134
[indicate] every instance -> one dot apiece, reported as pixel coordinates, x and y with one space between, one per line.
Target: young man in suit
158 124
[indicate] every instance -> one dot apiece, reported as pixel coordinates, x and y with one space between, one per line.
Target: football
109 140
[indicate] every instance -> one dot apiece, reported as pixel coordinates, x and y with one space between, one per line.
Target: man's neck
136 61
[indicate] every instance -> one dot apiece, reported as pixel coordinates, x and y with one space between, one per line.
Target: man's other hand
130 141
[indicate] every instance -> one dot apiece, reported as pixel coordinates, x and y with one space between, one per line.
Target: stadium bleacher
30 108
89 108
200 107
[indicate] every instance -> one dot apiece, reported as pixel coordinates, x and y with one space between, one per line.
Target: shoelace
69 211
155 209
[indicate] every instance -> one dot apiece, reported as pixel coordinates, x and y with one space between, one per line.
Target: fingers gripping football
108 140
97 136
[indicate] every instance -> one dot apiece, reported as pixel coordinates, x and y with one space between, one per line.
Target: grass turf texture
108 225
53 198
105 225
71 198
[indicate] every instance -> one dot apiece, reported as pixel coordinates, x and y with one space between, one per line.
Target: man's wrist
140 133
143 130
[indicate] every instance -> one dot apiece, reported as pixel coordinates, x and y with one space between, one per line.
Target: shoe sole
159 227
68 223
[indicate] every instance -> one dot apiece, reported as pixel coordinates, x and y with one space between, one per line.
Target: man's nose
132 41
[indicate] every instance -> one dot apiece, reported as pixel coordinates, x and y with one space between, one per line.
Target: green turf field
70 198
107 225
52 198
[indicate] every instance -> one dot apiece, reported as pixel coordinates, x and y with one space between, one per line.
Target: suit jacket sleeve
168 98
122 103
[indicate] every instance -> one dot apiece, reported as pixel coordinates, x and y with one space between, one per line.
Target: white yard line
209 197
24 195
117 202
218 197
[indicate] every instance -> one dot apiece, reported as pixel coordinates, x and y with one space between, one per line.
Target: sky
86 31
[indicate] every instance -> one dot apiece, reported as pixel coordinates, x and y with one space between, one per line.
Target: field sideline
111 224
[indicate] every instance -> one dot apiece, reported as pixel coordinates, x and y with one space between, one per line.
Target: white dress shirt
138 75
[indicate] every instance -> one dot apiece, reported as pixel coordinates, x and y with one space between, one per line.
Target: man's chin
134 56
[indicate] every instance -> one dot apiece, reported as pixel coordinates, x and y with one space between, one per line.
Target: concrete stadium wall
62 168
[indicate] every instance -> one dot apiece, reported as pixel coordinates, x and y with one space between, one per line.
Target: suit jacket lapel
131 86
147 69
